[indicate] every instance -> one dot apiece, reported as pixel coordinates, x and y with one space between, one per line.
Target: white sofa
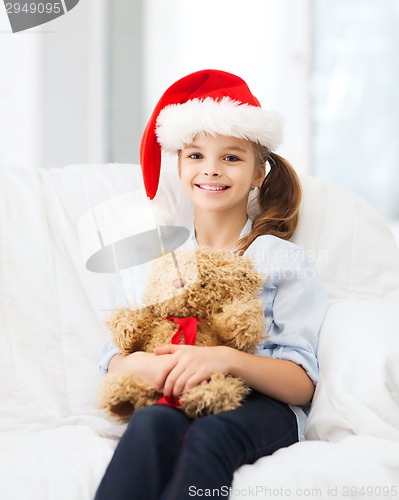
55 444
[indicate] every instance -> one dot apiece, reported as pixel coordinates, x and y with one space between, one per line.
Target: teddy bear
200 297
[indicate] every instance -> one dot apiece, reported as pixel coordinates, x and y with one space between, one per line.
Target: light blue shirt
294 302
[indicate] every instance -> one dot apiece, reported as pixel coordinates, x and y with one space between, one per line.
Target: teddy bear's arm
240 325
131 328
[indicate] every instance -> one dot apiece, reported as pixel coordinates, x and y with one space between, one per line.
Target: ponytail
279 201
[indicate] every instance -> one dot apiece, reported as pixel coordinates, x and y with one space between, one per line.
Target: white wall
52 89
20 135
125 117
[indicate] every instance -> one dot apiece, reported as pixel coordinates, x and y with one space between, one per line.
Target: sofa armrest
358 392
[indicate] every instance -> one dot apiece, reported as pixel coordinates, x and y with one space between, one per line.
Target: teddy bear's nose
179 283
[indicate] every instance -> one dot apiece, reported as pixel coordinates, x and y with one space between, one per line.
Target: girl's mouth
213 187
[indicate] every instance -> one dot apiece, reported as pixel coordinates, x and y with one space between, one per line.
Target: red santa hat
208 101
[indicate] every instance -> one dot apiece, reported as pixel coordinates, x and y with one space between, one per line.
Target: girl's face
217 172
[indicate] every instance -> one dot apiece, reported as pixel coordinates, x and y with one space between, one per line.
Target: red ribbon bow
188 330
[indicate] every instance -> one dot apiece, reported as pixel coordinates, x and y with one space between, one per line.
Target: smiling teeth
212 188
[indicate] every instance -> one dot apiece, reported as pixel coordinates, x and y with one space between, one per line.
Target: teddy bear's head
188 283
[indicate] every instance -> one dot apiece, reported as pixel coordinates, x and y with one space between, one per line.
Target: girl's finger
180 384
193 381
165 349
169 385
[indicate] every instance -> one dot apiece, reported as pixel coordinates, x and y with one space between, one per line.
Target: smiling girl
217 172
224 140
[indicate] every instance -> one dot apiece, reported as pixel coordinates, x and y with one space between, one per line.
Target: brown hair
279 200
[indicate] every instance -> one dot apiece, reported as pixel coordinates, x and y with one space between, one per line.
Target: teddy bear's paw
240 325
223 392
121 394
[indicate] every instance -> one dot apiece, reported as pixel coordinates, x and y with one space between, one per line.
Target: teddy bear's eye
203 285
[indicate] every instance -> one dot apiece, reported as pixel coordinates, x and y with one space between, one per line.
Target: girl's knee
207 435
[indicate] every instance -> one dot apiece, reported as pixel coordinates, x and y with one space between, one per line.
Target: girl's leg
144 459
215 446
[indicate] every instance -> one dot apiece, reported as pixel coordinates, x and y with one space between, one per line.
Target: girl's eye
231 158
195 156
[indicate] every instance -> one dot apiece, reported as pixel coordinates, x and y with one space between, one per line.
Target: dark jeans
165 455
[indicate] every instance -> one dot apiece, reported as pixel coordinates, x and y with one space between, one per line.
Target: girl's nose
212 169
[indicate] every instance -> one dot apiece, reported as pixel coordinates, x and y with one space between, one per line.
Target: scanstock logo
24 15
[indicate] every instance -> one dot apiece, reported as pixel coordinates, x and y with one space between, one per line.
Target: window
355 98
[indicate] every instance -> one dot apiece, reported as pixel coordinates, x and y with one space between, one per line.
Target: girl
224 140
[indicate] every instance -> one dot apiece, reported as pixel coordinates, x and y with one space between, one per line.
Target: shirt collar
245 230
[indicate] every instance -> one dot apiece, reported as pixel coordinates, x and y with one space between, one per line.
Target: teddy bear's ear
170 275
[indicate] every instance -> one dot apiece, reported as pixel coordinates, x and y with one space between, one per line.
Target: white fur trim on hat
177 124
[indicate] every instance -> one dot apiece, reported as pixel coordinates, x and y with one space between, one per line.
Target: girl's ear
259 176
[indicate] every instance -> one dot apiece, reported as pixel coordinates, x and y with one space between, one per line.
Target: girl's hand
148 367
192 365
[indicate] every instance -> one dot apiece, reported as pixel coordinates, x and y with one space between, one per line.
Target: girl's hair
279 200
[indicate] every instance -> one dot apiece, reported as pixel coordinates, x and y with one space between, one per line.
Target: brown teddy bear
211 300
